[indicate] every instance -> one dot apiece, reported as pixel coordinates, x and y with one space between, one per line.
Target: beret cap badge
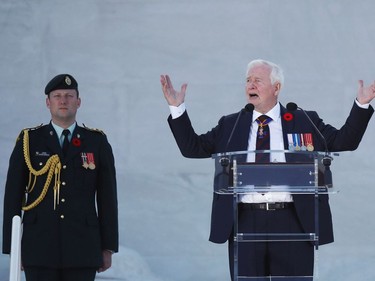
68 81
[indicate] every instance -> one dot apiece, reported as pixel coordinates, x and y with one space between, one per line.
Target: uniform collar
59 129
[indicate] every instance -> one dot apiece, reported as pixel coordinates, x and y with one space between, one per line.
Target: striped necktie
263 139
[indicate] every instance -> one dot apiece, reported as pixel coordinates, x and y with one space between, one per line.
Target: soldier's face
63 105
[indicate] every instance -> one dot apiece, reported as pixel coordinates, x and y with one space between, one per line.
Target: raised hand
365 94
172 96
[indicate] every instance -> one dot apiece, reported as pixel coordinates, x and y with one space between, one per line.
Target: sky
117 50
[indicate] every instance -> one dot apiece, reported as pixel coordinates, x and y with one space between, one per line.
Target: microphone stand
224 161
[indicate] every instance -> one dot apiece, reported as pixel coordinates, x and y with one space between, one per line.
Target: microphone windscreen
249 107
291 106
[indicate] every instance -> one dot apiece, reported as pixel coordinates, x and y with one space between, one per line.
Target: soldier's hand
107 261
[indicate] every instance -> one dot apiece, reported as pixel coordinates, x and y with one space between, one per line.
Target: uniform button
63 200
62 216
40 163
63 183
64 167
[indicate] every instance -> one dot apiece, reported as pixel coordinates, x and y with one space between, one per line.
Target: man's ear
277 88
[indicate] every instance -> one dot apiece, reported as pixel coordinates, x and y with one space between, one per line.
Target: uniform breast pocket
39 159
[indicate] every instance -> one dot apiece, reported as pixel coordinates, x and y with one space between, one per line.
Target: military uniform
72 233
70 205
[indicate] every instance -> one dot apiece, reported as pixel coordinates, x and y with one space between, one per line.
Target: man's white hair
276 75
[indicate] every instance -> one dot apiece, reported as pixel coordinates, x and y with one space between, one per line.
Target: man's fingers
169 82
183 88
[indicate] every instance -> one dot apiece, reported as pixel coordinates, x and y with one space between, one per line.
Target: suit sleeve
349 136
191 144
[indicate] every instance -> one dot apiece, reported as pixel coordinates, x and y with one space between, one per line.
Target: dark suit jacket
214 141
85 220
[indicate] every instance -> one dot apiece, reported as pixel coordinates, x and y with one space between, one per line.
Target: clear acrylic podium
299 172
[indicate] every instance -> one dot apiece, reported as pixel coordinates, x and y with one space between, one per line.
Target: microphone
248 108
326 159
291 106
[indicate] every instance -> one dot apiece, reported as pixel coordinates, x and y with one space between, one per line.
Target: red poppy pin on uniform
76 142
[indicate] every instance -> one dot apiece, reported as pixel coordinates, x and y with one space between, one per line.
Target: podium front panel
269 174
300 172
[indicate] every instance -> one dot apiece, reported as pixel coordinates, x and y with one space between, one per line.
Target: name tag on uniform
44 154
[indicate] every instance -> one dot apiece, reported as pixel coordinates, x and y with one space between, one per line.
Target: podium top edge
233 153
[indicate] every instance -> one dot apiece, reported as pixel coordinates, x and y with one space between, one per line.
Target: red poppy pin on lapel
288 116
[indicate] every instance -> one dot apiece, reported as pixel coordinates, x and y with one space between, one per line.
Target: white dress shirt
276 143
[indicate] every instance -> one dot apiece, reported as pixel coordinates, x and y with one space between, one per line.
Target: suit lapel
287 126
240 138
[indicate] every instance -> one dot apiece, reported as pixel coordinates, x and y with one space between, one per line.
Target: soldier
62 179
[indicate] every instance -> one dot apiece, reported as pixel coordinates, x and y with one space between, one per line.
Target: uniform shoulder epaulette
93 129
33 128
28 129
